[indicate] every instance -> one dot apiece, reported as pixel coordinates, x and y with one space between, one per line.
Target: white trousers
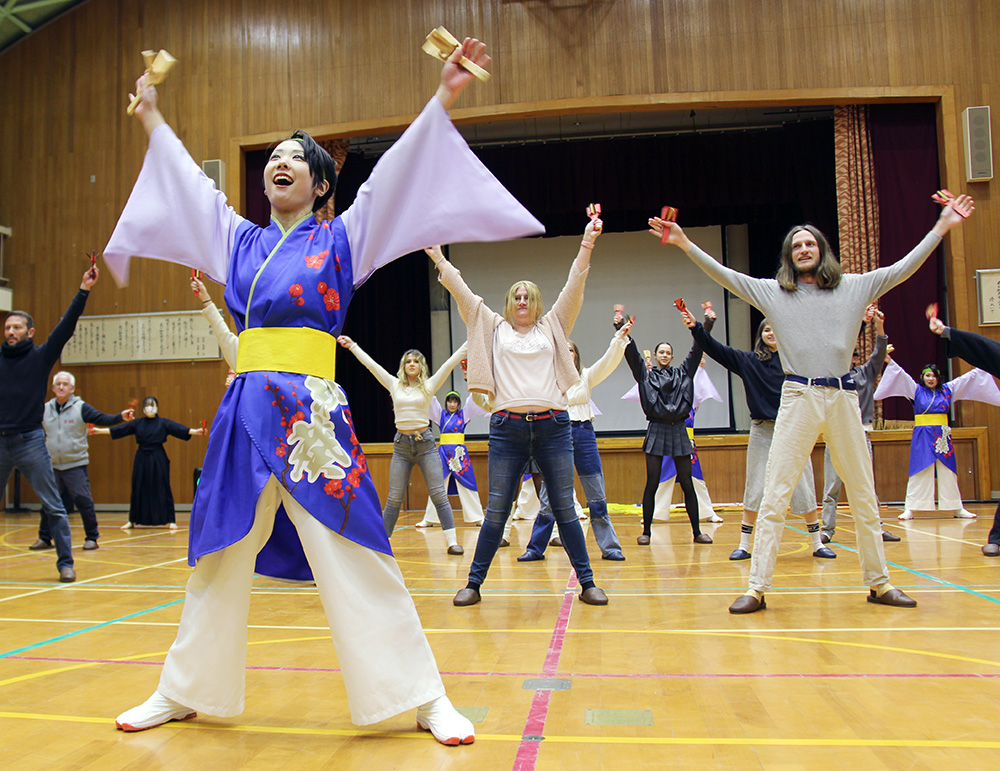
472 507
665 496
385 659
806 412
920 490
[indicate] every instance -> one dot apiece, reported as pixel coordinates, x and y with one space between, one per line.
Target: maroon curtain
905 148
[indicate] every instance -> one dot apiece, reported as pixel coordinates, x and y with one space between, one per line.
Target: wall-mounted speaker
978 144
216 171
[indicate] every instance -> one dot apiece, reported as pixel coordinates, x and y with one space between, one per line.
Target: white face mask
150 410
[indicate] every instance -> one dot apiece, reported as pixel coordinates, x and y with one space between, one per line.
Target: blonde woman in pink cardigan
521 360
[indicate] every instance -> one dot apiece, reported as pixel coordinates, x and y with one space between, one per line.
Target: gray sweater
817 328
864 376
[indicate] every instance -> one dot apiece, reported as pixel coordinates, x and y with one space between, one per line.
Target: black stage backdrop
768 179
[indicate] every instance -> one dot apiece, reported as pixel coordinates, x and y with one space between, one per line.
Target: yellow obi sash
690 433
931 419
452 438
300 350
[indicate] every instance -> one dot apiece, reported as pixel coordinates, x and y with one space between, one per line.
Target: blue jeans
28 453
588 466
513 443
409 450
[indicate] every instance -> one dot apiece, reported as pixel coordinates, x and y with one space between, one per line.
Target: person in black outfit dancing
666 394
980 352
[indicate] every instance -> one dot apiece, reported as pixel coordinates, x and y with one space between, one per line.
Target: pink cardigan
482 322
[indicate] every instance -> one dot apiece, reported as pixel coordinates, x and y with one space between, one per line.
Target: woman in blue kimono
456 465
931 451
285 483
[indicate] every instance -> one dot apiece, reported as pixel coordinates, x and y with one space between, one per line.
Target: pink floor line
667 675
527 752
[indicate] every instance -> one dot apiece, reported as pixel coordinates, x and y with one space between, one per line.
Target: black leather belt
529 416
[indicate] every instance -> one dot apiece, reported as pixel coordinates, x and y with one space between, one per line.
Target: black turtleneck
25 368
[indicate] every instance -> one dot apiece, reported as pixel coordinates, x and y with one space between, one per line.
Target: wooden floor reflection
662 677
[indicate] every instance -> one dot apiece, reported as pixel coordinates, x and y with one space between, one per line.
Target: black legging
654 463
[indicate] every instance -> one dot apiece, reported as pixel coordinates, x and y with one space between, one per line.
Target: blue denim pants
514 442
588 466
28 453
409 450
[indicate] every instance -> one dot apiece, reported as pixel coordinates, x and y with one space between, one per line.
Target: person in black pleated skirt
666 394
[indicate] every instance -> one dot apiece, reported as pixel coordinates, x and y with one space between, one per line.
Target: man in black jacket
24 374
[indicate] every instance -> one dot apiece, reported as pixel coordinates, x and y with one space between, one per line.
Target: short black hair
320 164
25 315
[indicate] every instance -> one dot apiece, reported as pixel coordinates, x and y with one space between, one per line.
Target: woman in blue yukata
931 451
285 489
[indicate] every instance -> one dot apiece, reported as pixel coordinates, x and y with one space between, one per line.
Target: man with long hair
815 310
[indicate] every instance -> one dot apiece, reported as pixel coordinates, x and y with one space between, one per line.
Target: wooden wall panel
249 69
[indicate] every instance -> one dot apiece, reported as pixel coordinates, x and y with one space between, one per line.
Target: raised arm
730 358
753 290
381 374
435 381
604 366
895 382
430 188
881 280
468 302
63 330
174 212
567 305
975 385
229 342
635 362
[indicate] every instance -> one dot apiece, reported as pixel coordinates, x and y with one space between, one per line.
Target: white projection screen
628 268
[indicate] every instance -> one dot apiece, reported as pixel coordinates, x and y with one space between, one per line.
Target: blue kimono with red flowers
427 189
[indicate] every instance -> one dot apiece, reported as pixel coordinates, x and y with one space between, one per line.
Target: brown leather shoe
893 597
642 540
455 549
465 597
824 538
703 538
747 603
889 537
504 542
594 596
67 575
557 541
39 545
991 550
89 545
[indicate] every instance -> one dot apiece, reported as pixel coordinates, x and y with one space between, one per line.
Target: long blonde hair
404 379
535 306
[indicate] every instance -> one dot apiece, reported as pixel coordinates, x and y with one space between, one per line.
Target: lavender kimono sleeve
429 189
174 213
895 382
704 388
975 385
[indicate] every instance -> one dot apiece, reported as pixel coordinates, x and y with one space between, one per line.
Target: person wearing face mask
522 361
24 370
285 489
152 502
412 389
65 423
666 395
931 451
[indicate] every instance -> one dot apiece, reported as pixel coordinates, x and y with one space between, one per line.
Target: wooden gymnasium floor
663 677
